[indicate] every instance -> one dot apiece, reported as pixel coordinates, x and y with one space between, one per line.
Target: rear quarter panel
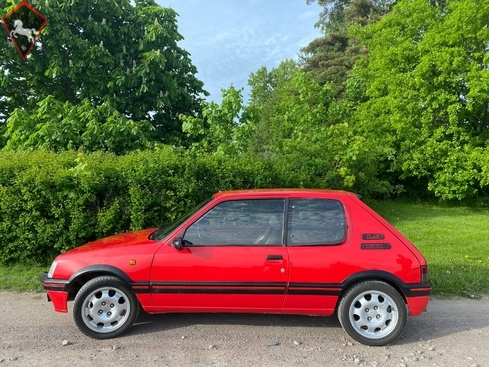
319 274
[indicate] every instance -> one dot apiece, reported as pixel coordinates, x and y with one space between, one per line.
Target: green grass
21 278
453 238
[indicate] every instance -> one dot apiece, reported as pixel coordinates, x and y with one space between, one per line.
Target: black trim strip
220 284
314 292
315 285
418 290
320 289
311 289
219 287
217 291
140 288
54 288
50 284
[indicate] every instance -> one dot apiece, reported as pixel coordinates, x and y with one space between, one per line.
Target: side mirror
177 243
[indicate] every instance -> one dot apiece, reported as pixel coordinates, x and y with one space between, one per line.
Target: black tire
373 313
105 307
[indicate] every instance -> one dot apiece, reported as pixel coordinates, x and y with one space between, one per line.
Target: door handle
274 257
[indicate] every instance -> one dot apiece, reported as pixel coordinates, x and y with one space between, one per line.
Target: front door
233 258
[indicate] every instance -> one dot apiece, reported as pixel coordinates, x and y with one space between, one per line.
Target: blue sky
229 39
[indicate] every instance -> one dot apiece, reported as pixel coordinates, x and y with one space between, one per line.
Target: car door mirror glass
177 243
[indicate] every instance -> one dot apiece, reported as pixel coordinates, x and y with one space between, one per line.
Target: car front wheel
104 308
372 313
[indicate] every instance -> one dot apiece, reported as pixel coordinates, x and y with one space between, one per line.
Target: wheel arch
82 276
378 275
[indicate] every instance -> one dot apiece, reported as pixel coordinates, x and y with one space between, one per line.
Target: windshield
167 228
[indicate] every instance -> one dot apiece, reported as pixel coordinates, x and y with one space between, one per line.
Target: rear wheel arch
374 275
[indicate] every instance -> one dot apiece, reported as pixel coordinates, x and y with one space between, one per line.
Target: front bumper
57 291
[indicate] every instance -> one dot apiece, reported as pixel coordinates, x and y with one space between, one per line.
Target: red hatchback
313 252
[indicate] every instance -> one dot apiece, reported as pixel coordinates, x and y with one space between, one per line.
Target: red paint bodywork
306 280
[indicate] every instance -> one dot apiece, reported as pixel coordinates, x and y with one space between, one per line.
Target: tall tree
265 88
427 87
116 61
300 130
330 58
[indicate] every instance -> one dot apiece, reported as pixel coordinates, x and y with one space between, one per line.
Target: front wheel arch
84 275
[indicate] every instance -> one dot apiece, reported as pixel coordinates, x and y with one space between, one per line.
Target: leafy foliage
59 126
266 86
427 86
303 133
410 114
110 66
222 129
50 202
330 58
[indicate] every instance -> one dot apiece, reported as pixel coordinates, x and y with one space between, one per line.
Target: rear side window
315 222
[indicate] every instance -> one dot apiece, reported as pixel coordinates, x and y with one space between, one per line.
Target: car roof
280 192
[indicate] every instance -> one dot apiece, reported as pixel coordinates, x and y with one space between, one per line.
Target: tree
299 130
427 93
265 88
330 58
121 57
336 12
223 129
264 82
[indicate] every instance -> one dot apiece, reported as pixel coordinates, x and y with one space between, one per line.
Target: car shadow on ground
150 323
428 326
146 324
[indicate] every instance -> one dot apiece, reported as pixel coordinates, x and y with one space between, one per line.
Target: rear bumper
417 305
57 292
418 296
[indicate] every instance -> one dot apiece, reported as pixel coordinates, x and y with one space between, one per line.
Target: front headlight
52 269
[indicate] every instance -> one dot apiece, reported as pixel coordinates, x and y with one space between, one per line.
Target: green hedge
50 203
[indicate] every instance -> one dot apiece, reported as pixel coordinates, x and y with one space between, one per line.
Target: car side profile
291 251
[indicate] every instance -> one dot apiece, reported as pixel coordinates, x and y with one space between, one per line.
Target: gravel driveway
452 333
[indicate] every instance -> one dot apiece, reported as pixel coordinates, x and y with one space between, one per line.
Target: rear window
315 222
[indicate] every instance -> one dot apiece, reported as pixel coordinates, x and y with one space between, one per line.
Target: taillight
424 273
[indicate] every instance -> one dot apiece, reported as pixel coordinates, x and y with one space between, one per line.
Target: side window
239 222
315 222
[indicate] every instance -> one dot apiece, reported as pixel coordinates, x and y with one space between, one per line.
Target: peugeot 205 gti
313 252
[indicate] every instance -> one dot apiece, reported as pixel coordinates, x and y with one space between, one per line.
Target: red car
313 252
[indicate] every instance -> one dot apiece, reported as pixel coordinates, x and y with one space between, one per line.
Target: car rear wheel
105 307
372 313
